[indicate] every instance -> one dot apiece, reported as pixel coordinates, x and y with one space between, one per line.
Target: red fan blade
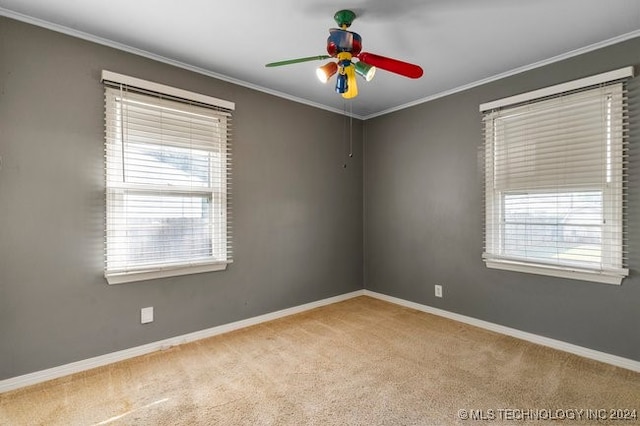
392 65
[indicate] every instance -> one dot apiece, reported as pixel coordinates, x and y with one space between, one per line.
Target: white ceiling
457 42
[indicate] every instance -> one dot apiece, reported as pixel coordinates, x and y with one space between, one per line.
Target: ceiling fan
345 46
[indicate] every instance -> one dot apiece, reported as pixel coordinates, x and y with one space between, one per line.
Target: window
167 181
555 163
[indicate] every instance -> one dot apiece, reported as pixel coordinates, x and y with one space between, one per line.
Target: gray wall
297 212
424 217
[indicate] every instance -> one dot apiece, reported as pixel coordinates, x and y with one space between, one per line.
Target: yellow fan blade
352 85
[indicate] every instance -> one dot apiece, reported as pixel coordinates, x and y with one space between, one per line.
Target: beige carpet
359 362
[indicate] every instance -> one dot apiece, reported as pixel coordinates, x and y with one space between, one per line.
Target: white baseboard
99 361
618 361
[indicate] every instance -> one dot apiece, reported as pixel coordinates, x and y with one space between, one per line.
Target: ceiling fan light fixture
345 48
365 70
326 71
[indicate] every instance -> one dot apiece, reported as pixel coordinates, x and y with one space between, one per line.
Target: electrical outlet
146 315
438 291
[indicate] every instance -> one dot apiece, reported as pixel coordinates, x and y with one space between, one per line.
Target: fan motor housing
343 41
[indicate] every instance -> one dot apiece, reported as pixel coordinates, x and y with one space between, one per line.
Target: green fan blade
296 61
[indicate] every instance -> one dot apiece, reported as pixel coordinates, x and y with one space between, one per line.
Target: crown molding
129 49
554 59
120 46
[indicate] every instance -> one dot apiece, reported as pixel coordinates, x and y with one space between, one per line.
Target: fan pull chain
350 129
344 131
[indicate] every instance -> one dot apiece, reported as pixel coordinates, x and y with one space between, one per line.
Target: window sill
605 277
150 274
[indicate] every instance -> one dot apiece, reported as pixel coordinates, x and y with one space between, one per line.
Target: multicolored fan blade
298 60
392 65
352 83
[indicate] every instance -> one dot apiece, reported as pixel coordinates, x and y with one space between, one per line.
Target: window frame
613 197
217 189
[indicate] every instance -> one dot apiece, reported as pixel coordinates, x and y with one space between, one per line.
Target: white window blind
168 183
555 178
